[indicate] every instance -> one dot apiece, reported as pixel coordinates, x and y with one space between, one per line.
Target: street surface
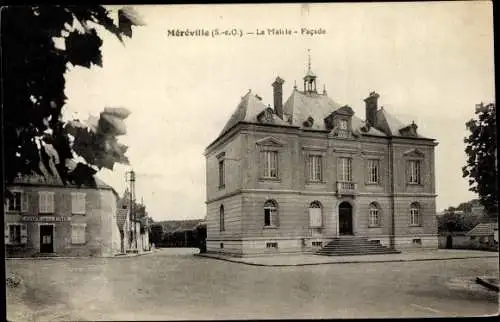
173 284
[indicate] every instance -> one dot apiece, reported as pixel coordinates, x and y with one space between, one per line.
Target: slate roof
483 229
390 123
299 106
302 106
247 110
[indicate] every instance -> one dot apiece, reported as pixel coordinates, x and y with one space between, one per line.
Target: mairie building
292 177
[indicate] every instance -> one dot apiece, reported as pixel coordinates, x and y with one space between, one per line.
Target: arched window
270 214
415 214
315 215
221 218
373 215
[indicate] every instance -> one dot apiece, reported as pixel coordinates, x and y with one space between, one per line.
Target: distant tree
36 140
481 150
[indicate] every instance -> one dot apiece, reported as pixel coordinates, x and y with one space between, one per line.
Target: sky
430 62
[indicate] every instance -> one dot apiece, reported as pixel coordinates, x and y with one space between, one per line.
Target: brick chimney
371 108
278 96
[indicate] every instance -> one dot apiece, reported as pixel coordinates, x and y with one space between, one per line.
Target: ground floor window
374 218
78 233
270 214
16 234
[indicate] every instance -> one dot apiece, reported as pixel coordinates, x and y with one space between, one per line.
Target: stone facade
242 181
35 225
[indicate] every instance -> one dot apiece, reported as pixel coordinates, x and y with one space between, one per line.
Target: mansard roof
300 106
391 125
309 109
248 109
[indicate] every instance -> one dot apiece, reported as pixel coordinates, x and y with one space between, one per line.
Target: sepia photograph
249 161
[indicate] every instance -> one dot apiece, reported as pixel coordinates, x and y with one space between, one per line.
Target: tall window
270 214
373 215
345 169
46 202
315 215
78 203
413 171
14 201
373 171
270 159
315 168
15 234
221 218
414 214
221 174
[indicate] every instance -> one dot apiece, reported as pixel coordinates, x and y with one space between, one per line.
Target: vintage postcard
249 161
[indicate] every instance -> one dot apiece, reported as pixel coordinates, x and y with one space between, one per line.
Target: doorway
345 219
46 239
449 242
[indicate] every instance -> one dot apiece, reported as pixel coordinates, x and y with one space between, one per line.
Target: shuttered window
17 201
315 215
16 234
46 202
78 203
78 233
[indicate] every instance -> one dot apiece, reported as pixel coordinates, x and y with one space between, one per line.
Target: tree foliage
36 140
481 150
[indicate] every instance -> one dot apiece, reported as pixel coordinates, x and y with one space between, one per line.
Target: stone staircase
354 245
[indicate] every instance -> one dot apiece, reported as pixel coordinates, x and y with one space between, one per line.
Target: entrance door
345 219
46 239
449 242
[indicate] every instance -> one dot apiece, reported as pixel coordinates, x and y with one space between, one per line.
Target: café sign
45 218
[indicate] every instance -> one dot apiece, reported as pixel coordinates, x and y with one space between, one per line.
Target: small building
43 216
483 234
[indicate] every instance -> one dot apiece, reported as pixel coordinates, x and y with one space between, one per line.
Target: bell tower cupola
310 78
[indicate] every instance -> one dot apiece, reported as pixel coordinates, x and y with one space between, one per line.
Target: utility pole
131 177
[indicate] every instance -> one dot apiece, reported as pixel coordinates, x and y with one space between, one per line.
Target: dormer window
343 128
343 125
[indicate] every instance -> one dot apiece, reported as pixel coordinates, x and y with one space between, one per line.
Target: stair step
352 245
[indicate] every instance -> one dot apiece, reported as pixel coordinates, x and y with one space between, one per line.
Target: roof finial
309 60
295 84
324 89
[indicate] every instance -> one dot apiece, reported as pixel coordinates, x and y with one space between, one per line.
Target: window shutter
315 220
7 239
24 202
50 202
41 202
83 203
24 234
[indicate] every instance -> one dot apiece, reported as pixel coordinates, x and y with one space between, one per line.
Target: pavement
172 284
302 259
81 257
